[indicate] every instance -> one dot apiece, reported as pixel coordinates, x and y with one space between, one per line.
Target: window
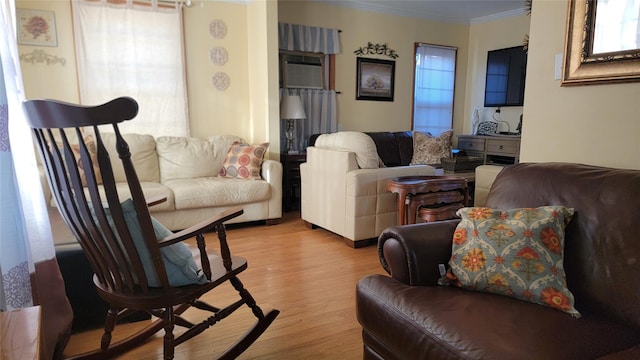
133 50
434 88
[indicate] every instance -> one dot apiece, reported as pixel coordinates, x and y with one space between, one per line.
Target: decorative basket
461 163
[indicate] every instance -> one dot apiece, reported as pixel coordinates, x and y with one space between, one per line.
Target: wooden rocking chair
119 238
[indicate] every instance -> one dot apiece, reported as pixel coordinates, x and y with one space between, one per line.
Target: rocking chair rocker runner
130 263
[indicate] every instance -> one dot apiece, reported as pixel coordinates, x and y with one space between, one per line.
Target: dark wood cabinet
291 180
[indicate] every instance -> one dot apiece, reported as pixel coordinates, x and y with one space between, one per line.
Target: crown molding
503 15
385 8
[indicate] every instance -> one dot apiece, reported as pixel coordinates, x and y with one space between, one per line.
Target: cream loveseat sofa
185 171
344 189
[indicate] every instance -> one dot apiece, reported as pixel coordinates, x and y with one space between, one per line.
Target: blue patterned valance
308 38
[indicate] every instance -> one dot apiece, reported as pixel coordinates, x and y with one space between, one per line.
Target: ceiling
451 11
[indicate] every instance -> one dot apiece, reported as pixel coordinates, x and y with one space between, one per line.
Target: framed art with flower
36 27
374 79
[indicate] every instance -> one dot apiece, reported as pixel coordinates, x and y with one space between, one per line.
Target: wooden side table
291 180
439 213
416 191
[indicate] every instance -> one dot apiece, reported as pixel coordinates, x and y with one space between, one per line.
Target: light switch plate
558 65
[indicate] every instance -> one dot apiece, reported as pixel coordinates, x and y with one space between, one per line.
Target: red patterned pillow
93 153
244 161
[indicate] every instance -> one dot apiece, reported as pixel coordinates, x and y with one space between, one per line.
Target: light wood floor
309 275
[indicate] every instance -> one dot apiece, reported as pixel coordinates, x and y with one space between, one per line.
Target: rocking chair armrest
156 200
205 226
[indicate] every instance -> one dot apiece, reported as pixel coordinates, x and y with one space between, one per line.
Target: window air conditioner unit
303 72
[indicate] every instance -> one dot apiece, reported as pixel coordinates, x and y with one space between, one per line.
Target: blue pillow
178 260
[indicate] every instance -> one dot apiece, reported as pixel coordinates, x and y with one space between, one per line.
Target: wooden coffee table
414 191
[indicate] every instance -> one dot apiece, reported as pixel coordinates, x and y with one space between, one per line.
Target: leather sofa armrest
485 175
272 173
323 183
412 253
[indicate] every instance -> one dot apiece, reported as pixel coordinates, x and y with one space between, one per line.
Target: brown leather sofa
409 316
394 148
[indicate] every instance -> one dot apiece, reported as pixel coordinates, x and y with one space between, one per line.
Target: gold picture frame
36 28
583 66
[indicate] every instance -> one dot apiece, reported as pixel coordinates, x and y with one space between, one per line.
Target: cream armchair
485 175
344 191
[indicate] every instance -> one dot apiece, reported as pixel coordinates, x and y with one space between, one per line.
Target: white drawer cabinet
493 149
471 143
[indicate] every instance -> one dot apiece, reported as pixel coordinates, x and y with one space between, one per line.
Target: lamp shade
291 107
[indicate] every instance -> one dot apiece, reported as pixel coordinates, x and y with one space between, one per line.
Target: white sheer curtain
320 108
27 258
134 50
435 74
16 263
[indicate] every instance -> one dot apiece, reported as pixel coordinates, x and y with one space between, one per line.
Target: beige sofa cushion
150 190
188 158
217 191
359 143
143 156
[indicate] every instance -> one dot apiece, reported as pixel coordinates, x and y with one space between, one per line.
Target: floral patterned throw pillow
517 253
428 149
244 161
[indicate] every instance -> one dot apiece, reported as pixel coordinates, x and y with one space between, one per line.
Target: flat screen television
506 71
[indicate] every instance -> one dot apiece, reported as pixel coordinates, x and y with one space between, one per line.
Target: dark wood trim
332 71
360 243
270 222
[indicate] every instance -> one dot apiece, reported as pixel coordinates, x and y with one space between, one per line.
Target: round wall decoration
220 81
218 55
218 29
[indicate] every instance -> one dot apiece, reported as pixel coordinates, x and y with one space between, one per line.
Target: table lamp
291 109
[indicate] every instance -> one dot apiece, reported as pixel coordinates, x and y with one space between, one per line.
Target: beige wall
485 36
400 34
244 109
56 80
263 86
594 124
212 111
